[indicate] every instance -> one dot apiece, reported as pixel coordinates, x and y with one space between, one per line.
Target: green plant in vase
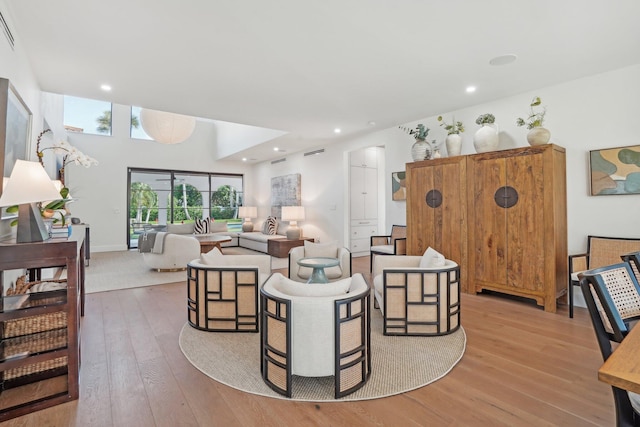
421 148
537 135
453 140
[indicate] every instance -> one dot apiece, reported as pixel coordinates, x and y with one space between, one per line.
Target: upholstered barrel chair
315 330
417 300
222 291
322 250
177 251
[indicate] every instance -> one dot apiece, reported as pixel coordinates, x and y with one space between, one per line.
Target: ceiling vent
311 153
7 31
284 159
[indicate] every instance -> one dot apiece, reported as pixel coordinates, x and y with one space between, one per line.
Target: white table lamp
247 212
293 214
28 185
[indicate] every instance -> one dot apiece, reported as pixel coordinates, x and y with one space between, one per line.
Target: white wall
591 113
102 190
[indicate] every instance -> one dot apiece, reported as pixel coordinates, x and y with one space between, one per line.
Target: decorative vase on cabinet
486 138
419 150
538 136
454 144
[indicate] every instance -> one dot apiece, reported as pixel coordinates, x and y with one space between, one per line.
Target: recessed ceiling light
503 59
371 123
105 88
337 130
275 148
470 89
244 159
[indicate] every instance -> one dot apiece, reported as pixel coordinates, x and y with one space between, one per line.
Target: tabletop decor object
486 138
538 135
28 185
454 140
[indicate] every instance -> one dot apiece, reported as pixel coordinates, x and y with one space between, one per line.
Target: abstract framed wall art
615 171
398 186
285 191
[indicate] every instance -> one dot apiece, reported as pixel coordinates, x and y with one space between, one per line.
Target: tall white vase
454 144
486 138
538 136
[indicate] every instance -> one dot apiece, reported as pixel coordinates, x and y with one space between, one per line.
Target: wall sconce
247 212
167 128
28 185
293 214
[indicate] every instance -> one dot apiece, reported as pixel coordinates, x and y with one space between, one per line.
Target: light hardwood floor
522 367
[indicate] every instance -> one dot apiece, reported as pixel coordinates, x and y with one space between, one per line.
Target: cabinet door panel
489 231
370 190
526 223
357 180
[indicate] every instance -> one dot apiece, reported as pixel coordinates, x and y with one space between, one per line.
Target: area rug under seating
399 364
109 271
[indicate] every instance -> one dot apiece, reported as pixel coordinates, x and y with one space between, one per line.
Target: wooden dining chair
609 292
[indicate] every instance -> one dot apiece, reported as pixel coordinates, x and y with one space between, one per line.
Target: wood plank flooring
522 367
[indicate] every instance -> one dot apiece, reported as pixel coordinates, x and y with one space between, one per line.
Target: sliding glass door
159 197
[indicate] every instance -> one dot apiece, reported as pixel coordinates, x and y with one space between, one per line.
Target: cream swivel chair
177 251
222 291
315 330
392 244
324 250
415 296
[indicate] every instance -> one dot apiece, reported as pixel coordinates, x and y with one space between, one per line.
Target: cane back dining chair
612 295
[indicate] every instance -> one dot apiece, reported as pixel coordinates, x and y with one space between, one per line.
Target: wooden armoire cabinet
436 209
510 235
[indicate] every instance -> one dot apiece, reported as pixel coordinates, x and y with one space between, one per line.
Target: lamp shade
292 213
28 183
248 212
167 128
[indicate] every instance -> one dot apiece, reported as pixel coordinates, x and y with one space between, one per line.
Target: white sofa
217 228
257 241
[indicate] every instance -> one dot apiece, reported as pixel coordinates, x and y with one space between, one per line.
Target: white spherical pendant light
167 128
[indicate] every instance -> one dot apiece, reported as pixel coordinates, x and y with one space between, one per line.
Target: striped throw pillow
270 225
201 226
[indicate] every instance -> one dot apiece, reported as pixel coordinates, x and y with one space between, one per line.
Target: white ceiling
307 67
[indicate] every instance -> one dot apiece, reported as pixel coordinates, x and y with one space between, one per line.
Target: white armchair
222 291
310 249
177 251
315 331
417 300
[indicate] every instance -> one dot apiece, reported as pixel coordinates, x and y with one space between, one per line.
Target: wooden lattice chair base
332 335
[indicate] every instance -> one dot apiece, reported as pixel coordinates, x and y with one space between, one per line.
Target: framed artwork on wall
614 171
15 130
398 186
285 191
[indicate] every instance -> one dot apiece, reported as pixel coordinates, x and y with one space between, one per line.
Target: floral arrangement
69 152
484 119
536 118
453 128
420 132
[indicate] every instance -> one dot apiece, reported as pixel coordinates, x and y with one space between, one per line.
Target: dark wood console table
280 248
23 394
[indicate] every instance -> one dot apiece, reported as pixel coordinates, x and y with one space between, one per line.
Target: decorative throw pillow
270 226
432 258
201 226
299 289
213 257
217 226
323 250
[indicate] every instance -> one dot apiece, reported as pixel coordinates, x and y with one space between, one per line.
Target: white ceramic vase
419 150
486 138
538 136
454 144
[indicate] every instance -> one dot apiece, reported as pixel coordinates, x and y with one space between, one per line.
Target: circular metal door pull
433 198
506 197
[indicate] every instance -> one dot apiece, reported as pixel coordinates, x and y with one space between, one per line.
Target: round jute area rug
399 364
